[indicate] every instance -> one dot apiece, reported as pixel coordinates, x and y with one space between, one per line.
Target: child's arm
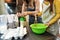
37 5
33 13
37 11
30 12
54 19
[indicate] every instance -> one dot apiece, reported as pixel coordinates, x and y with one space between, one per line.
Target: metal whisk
35 19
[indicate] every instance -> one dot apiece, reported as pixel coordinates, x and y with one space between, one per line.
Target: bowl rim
38 28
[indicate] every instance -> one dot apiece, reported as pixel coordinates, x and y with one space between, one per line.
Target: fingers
18 14
47 24
21 14
25 14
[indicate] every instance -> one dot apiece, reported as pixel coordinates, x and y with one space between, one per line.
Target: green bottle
22 19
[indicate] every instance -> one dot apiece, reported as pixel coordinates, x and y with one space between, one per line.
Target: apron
47 15
59 25
54 29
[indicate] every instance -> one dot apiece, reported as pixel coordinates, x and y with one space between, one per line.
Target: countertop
32 36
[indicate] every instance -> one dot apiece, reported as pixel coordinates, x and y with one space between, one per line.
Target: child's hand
39 13
19 14
47 24
35 13
24 14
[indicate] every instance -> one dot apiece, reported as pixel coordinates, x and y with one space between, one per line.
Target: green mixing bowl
38 28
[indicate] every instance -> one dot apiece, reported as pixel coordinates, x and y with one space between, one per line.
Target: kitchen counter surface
32 36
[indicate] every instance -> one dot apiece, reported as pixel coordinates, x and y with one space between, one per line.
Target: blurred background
11 6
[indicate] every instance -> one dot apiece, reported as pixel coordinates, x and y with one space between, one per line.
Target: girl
20 8
57 9
53 24
31 9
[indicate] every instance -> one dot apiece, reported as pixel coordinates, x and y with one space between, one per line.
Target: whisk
35 19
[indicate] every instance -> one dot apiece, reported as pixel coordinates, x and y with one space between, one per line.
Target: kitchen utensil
35 19
38 28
